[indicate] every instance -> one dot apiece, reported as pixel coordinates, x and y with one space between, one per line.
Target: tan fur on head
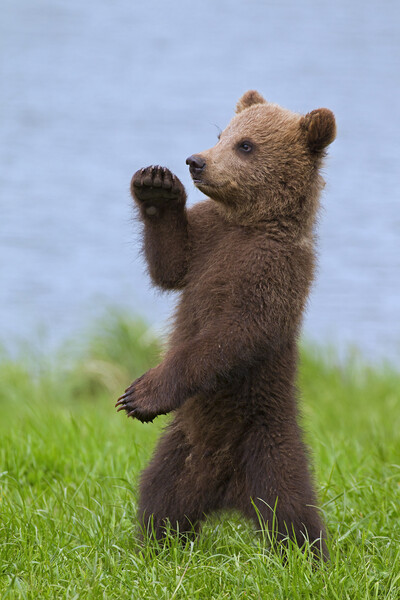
265 167
248 99
320 128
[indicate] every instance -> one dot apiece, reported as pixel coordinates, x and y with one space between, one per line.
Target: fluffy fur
243 261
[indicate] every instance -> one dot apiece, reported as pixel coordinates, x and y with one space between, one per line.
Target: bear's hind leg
275 479
172 489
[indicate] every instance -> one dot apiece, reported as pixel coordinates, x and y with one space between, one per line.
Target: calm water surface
91 91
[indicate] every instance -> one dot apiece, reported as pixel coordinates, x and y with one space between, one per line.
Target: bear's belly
217 420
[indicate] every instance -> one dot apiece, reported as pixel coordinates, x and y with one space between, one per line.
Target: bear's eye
245 147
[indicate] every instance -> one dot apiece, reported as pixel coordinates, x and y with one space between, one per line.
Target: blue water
91 91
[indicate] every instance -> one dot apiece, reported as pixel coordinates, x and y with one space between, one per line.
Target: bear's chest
217 273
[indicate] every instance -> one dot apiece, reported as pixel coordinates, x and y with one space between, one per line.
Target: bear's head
265 166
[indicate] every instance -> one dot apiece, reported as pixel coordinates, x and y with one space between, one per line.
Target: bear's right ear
248 99
320 128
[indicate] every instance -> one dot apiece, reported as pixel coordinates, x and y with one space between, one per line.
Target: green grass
69 468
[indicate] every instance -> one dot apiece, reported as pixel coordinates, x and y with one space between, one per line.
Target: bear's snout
196 165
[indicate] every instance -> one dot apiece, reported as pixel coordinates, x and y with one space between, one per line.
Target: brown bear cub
243 261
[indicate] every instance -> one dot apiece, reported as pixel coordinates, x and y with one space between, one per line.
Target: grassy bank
69 467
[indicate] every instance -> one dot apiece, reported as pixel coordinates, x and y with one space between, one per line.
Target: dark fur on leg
175 488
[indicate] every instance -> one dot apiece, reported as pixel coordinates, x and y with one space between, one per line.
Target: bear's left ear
248 99
320 128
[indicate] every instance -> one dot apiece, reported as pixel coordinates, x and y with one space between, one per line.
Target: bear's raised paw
155 188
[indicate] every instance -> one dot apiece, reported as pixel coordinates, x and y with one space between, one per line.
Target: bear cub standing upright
243 261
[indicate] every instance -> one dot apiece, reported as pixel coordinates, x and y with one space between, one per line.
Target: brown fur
244 261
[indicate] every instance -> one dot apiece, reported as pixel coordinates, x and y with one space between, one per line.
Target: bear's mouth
198 181
201 182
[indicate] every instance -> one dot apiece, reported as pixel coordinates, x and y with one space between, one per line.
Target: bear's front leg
161 199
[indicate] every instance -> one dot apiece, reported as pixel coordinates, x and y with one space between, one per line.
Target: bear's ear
248 99
320 128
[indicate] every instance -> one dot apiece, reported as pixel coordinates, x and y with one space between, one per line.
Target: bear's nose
196 164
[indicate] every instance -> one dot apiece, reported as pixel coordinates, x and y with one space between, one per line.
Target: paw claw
121 399
157 181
